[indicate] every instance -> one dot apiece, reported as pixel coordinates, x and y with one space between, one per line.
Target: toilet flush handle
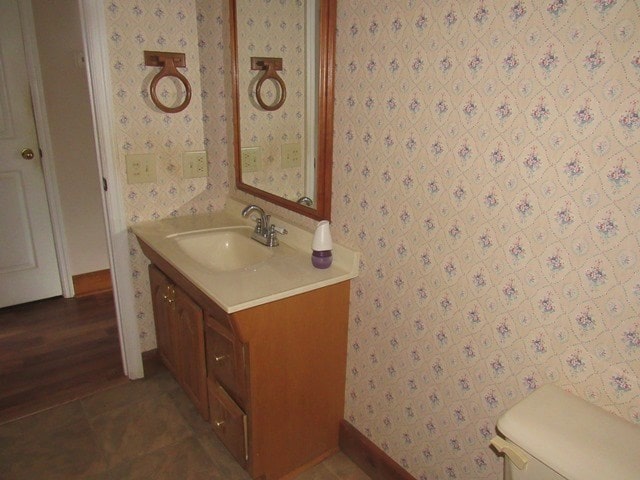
515 453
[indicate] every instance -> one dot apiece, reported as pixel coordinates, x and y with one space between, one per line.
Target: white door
28 263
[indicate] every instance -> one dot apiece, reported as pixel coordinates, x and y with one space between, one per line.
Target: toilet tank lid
578 440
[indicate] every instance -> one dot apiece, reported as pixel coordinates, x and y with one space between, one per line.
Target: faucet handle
280 230
272 237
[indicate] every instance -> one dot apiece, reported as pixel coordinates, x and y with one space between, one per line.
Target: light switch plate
194 164
250 159
141 168
291 155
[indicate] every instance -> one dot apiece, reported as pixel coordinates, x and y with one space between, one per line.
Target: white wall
59 39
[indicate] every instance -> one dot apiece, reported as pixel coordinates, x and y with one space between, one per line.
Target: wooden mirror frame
324 159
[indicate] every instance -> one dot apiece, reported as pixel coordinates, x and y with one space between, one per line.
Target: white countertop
288 272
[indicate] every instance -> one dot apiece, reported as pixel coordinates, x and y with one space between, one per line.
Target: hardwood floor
57 350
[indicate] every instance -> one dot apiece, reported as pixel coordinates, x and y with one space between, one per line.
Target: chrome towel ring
169 61
271 66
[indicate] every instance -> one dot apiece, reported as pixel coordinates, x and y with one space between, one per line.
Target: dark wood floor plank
46 372
56 350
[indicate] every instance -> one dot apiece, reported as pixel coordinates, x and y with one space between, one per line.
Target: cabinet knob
219 423
219 358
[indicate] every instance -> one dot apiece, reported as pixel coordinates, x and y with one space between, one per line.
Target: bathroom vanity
265 365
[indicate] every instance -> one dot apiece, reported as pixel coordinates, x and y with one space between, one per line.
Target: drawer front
225 363
229 422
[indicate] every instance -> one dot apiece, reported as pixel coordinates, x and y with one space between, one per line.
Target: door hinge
104 184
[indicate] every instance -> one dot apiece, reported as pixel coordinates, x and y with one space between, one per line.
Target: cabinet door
189 324
162 294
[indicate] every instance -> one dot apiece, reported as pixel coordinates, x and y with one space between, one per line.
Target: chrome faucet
263 222
305 201
265 233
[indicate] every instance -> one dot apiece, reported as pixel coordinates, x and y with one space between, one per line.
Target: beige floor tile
139 428
184 460
145 429
318 472
223 463
187 409
131 392
66 453
344 468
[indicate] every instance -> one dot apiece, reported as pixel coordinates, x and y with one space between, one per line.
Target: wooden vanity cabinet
289 369
274 373
180 337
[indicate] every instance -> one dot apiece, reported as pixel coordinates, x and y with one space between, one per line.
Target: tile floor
145 429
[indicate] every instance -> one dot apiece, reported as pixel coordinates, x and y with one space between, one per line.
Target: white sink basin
214 252
222 249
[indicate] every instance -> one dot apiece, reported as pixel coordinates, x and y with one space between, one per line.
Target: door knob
27 154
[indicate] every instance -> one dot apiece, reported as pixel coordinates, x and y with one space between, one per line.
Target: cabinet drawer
225 362
229 422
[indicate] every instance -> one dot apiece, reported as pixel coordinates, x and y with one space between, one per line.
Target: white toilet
554 435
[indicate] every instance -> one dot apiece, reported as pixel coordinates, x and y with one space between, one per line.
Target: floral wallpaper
486 165
270 29
175 26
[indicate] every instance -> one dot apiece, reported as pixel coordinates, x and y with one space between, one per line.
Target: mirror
282 56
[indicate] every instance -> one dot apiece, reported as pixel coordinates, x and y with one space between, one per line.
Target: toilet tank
554 435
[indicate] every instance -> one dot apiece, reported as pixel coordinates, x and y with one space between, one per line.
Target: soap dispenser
321 246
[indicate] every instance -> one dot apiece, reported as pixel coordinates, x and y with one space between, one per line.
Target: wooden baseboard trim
150 356
368 456
92 282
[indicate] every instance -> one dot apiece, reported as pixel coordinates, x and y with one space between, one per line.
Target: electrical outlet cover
250 159
291 155
141 168
194 164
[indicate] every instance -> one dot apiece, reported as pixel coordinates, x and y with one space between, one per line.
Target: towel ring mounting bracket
169 63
